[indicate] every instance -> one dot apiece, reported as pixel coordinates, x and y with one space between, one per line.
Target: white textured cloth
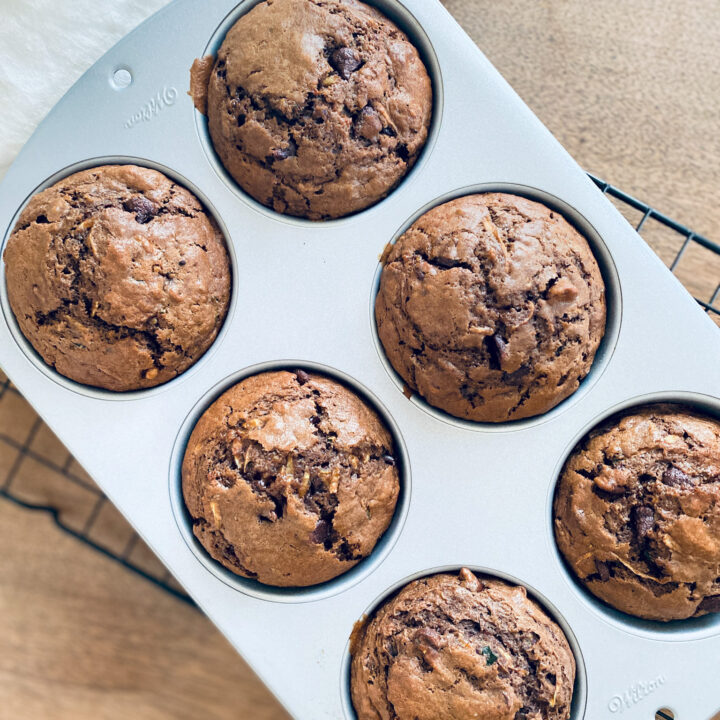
45 46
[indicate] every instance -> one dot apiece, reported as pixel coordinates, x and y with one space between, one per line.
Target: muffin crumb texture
118 277
456 647
491 307
290 479
317 108
637 513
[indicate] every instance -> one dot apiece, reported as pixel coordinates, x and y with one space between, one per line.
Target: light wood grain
84 638
631 89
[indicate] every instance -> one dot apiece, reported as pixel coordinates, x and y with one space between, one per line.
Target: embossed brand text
164 98
634 694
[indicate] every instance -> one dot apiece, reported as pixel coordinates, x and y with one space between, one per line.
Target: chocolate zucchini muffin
290 479
317 108
118 277
451 647
491 307
637 513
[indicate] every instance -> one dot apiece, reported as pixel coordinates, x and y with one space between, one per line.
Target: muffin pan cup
479 496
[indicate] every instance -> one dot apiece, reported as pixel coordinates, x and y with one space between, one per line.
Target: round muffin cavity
118 277
637 513
290 479
491 307
317 108
456 647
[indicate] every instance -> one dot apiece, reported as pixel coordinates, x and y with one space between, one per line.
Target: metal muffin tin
302 296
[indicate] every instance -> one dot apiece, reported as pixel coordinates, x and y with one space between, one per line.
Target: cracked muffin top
118 277
456 647
491 307
317 108
637 513
290 479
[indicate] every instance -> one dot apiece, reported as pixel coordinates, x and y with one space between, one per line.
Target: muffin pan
480 494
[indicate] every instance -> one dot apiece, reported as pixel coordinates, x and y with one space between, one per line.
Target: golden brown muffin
461 647
317 108
290 479
637 513
491 307
118 277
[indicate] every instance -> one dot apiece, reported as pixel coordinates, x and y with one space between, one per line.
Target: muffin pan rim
408 23
579 700
497 474
688 630
26 346
613 305
311 593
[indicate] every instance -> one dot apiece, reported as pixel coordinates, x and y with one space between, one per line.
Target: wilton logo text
164 98
634 694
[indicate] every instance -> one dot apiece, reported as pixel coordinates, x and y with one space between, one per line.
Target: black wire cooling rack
689 239
55 484
40 474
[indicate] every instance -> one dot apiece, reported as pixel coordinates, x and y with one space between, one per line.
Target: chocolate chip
676 478
643 520
369 123
182 263
603 570
497 347
345 61
41 220
311 503
389 131
302 376
321 532
710 604
286 152
446 262
389 459
145 210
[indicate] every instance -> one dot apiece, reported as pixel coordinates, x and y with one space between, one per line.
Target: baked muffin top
317 108
491 307
455 647
290 479
118 277
637 513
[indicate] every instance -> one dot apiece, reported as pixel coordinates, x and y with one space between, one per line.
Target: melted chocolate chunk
710 604
603 570
145 210
345 62
321 532
643 520
676 478
369 123
497 347
286 152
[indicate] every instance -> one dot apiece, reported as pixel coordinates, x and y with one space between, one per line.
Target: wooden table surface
631 89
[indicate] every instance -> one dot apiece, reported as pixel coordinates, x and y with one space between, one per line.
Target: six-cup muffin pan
473 495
